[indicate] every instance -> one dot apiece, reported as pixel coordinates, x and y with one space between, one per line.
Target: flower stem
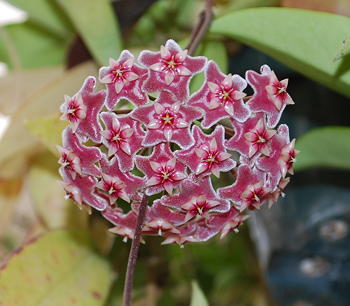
199 31
134 249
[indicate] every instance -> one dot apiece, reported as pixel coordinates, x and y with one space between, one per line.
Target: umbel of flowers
172 147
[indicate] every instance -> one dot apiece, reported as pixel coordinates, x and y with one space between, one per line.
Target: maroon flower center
167 118
211 158
224 95
166 174
119 73
171 64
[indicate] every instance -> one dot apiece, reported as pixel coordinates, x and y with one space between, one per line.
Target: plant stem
199 31
134 249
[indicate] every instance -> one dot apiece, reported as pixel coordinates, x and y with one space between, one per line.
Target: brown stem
205 18
129 277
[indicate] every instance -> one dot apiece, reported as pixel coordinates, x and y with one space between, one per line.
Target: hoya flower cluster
172 147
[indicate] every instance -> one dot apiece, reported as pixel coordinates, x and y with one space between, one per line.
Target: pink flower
248 191
82 110
197 200
171 69
207 155
123 137
281 160
251 136
84 158
270 95
118 184
221 97
162 170
167 120
124 79
171 148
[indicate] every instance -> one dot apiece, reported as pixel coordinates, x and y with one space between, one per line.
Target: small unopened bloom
172 146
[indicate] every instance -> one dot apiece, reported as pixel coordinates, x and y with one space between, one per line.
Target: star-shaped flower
221 96
251 137
248 191
83 108
227 222
185 235
69 161
87 156
82 190
171 69
116 183
208 154
124 79
73 110
124 224
197 200
270 95
167 121
161 219
123 137
162 170
281 159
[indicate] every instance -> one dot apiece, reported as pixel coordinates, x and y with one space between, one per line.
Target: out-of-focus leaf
17 140
47 14
341 7
97 24
324 147
47 196
198 298
344 50
229 5
60 268
48 130
306 41
213 50
31 45
17 86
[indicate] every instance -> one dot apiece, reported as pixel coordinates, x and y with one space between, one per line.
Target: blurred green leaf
60 268
344 50
244 4
306 41
47 14
96 23
198 298
30 45
19 85
324 147
213 50
48 130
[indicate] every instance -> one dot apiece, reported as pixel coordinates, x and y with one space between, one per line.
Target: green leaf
306 41
96 23
47 14
28 45
198 298
344 50
324 147
60 268
244 4
213 50
48 130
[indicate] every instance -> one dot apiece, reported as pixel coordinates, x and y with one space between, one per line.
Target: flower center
224 95
119 72
166 174
211 158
